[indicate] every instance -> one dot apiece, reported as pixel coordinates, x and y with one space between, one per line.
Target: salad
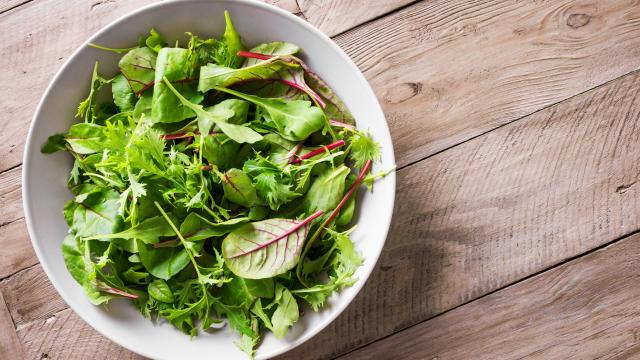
213 185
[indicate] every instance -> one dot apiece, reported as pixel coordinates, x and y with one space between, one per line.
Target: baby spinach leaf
296 120
85 138
77 257
266 248
238 188
159 290
244 292
54 143
218 116
196 228
138 67
326 190
148 231
239 107
174 65
220 151
97 214
123 95
286 313
163 262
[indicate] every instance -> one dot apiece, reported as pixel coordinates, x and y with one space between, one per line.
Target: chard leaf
218 116
286 313
148 231
238 188
123 95
138 67
326 190
166 107
273 48
266 248
296 120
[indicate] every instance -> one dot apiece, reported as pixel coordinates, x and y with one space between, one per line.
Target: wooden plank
10 196
10 347
447 70
336 16
17 252
587 308
30 296
7 5
451 70
66 336
494 210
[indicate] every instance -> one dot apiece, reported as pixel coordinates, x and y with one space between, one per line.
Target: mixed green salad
213 185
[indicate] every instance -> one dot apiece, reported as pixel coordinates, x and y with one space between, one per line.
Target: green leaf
258 310
273 48
77 257
136 277
232 42
218 116
155 41
163 262
138 67
159 290
123 95
271 187
286 313
326 190
97 214
148 231
220 151
54 143
196 228
296 120
86 138
87 108
173 64
212 75
238 188
243 292
266 248
363 148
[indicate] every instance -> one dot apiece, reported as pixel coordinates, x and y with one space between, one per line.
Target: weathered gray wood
7 5
588 308
10 347
10 196
65 336
16 251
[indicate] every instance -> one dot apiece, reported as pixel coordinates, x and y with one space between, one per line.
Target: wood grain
498 208
446 71
17 252
587 308
7 5
10 347
65 336
10 196
495 209
336 16
30 296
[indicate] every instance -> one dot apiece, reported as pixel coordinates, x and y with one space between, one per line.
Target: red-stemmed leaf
266 248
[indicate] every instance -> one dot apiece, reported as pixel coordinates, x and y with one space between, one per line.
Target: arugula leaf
197 228
296 120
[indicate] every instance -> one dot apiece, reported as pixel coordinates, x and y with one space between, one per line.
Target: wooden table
516 127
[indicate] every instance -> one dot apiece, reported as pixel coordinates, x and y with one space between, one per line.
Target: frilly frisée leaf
266 248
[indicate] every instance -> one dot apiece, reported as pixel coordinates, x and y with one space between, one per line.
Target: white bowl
44 176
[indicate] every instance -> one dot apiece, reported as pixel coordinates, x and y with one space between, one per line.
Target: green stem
182 240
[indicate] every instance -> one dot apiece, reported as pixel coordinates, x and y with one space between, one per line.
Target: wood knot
575 21
403 92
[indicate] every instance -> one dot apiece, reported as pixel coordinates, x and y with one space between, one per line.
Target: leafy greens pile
216 184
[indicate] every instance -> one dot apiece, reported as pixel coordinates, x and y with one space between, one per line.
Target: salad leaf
148 231
173 64
213 75
123 95
273 48
232 44
138 67
267 248
286 313
238 188
295 120
160 291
